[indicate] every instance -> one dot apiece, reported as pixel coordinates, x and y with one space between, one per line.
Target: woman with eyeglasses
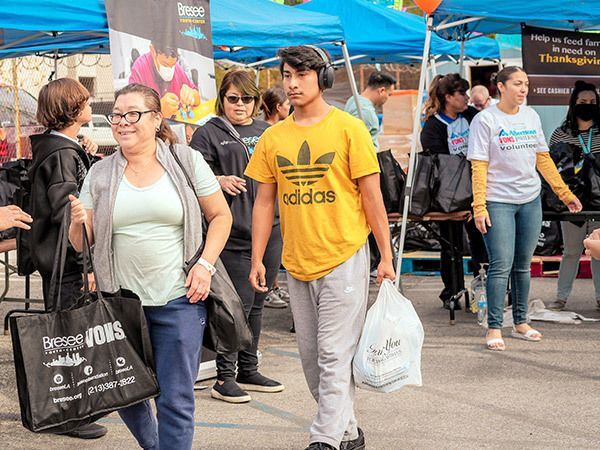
227 142
446 130
145 221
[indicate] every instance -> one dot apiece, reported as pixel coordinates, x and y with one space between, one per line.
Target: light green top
369 116
147 235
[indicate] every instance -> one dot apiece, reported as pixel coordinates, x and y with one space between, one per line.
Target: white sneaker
282 294
273 301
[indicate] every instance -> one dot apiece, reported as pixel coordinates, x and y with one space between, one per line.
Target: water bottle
482 308
477 285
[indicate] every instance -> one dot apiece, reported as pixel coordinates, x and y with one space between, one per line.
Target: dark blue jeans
176 331
510 243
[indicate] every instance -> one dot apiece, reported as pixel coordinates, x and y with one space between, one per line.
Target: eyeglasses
130 116
246 99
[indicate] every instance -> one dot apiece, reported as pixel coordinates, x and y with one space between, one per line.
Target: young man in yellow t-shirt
321 164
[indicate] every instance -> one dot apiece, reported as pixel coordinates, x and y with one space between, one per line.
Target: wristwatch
208 266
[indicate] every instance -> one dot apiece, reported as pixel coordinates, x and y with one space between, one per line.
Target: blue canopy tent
391 35
464 19
61 27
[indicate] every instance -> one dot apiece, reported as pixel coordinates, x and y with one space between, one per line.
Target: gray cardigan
105 178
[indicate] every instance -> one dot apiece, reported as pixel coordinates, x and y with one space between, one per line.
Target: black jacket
226 154
434 136
58 169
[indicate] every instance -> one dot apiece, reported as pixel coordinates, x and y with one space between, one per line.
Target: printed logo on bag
88 370
390 349
512 139
120 361
68 346
303 173
58 379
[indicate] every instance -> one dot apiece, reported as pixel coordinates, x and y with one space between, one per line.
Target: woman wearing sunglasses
227 142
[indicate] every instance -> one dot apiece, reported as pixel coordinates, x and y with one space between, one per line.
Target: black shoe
259 383
319 446
457 306
229 392
354 444
89 431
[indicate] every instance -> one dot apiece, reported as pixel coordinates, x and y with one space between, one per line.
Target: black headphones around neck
326 75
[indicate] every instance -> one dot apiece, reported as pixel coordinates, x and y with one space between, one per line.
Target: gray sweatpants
329 314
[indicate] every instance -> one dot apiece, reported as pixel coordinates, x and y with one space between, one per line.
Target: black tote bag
392 180
420 203
78 365
452 188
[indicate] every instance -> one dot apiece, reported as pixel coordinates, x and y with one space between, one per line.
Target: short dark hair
60 102
381 79
301 57
243 82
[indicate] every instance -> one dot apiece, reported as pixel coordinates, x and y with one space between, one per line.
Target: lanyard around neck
587 149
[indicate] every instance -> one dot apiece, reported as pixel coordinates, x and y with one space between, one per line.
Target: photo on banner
555 59
168 47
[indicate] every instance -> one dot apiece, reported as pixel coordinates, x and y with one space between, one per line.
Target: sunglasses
234 99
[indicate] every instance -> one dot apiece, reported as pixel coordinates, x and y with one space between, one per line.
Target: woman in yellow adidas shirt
506 146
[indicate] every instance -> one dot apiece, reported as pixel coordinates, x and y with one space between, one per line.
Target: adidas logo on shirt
303 173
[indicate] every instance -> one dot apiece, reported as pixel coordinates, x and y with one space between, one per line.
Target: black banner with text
555 59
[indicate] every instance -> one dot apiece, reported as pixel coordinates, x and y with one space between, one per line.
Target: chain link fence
22 78
20 82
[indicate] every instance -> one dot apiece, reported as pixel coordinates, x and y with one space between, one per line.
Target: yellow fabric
479 181
316 170
547 168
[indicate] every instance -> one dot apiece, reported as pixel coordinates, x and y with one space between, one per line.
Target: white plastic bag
388 356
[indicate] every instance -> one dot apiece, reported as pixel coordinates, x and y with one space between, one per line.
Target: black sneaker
229 392
259 383
319 446
354 444
89 431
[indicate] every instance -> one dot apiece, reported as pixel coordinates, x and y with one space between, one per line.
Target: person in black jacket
227 142
59 166
446 130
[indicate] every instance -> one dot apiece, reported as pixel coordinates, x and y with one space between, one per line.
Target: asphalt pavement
541 395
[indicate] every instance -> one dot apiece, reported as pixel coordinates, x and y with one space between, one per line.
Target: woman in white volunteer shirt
506 146
446 130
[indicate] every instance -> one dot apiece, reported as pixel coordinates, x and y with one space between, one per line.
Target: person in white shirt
507 147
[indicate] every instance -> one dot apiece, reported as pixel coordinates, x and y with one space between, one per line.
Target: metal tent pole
351 79
413 145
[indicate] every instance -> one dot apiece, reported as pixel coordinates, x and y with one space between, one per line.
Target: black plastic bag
392 181
452 191
563 155
591 176
227 330
77 365
549 240
420 203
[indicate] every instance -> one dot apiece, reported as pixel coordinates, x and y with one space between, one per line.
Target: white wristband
208 266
